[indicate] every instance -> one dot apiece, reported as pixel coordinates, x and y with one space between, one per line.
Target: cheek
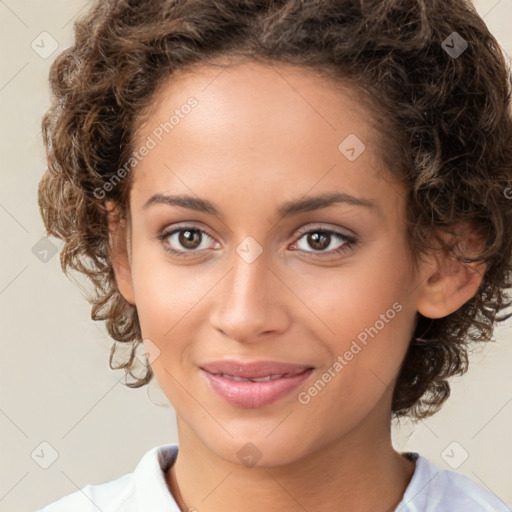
170 302
363 315
164 292
349 299
365 354
166 297
368 325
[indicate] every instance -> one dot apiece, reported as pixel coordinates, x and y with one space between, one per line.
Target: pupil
186 238
314 238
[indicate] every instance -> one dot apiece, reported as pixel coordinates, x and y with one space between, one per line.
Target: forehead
255 127
261 94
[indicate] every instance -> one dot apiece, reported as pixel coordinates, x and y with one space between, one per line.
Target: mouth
260 379
252 385
254 369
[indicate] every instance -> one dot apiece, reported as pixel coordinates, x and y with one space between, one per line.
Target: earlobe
120 258
450 285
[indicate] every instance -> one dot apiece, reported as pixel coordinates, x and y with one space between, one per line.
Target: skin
262 135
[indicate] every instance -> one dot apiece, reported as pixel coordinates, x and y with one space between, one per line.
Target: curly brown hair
444 119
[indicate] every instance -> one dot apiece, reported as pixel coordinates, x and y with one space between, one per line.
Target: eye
185 239
320 239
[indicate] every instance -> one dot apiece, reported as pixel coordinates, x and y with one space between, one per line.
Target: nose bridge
249 278
249 304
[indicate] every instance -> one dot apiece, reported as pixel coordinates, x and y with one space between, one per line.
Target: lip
253 369
250 394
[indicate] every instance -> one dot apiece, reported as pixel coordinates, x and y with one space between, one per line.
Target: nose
251 301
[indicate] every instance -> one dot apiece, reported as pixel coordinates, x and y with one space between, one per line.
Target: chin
258 449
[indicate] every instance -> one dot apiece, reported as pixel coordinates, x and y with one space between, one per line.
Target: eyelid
195 225
326 227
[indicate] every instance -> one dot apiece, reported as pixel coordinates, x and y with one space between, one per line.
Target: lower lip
254 394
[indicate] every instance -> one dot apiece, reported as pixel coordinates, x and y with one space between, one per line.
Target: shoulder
439 490
125 493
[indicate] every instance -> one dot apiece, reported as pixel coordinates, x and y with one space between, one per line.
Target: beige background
56 386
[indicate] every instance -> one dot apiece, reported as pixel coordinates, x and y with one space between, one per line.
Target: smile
254 392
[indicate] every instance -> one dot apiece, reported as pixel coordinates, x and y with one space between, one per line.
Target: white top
145 489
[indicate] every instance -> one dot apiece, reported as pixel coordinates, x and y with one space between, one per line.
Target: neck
357 472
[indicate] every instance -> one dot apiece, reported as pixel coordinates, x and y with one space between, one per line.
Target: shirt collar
151 491
417 493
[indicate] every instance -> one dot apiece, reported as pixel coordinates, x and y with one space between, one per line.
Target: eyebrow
287 209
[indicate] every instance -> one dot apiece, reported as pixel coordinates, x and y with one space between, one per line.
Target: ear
119 244
449 283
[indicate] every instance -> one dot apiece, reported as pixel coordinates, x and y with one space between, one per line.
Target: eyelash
349 241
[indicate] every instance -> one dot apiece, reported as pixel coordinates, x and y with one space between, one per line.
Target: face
251 267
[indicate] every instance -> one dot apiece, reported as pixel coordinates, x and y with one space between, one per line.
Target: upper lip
253 369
